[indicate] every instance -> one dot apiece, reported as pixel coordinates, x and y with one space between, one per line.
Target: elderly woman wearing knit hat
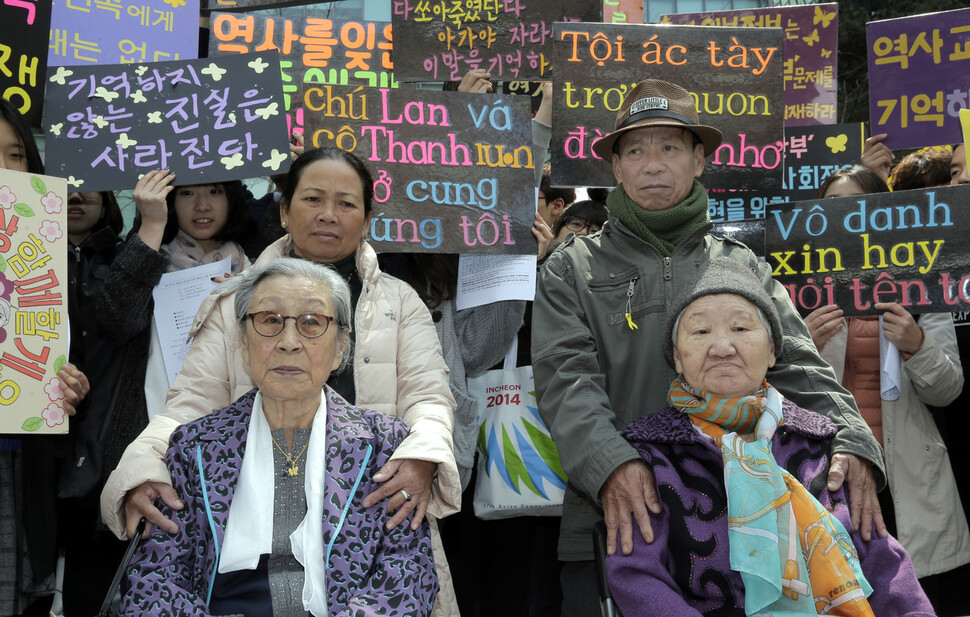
746 523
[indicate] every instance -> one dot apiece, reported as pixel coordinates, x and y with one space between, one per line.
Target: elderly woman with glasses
274 484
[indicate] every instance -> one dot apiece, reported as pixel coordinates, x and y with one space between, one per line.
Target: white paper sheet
483 279
178 297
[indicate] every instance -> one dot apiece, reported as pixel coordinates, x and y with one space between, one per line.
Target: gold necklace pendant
294 471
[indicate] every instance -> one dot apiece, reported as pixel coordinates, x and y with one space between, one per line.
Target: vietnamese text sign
511 39
811 53
312 50
119 32
812 154
24 25
453 172
207 120
906 246
919 77
33 302
734 75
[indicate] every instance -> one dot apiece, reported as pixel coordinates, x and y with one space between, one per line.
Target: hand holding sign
149 195
900 327
823 323
877 156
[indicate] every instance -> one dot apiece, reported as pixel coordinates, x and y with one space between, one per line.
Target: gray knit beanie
725 276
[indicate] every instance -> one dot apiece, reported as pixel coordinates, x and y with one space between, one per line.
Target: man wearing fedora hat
597 338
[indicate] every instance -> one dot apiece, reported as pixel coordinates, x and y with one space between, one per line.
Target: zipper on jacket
667 273
629 302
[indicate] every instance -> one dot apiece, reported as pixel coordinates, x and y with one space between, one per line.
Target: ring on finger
407 495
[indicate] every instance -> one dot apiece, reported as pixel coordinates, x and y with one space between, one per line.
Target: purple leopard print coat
371 570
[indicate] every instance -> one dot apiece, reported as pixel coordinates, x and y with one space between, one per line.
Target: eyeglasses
271 323
576 226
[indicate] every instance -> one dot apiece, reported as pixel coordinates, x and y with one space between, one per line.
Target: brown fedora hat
658 103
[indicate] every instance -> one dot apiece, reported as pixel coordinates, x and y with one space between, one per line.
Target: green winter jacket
594 374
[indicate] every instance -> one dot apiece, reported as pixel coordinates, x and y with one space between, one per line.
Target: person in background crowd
746 525
483 550
397 369
177 227
921 169
599 309
28 549
958 166
581 218
895 366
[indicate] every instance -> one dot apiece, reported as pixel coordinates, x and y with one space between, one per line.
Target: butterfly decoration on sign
821 17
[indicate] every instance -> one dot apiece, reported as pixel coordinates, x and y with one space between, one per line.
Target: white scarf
249 530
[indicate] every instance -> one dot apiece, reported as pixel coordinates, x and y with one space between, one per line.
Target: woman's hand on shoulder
139 504
407 482
823 323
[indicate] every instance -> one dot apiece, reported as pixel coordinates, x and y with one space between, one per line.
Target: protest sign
207 120
249 5
33 302
811 50
734 75
623 11
453 172
812 154
441 41
919 77
312 50
24 25
751 233
905 246
112 33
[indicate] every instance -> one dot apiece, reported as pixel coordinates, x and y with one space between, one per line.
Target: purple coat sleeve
641 582
402 579
886 565
162 575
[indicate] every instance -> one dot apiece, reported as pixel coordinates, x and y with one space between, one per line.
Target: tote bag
519 473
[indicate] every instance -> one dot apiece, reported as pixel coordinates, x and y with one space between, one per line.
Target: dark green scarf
661 229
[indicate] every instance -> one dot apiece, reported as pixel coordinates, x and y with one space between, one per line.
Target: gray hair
245 286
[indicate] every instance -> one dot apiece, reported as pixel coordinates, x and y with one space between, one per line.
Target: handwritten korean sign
23 54
811 53
812 154
453 172
312 50
734 75
33 302
623 11
120 31
906 246
248 5
511 39
208 119
919 77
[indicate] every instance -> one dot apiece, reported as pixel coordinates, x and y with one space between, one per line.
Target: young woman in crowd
921 507
28 493
397 367
177 227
